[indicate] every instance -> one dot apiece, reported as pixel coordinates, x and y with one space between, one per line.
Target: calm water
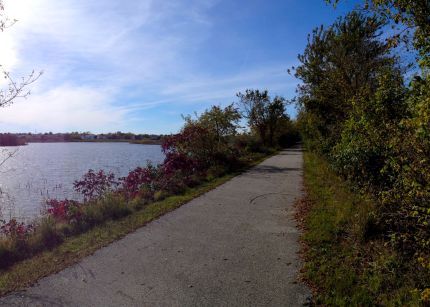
40 171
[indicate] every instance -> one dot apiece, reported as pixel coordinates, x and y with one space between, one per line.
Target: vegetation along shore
207 151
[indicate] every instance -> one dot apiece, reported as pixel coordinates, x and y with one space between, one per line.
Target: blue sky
137 65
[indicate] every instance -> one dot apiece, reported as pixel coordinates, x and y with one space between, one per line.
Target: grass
73 249
344 264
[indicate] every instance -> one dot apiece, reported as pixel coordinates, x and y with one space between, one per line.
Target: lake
47 170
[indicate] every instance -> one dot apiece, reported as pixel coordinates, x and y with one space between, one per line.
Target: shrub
112 206
188 151
64 210
14 240
375 131
160 195
204 149
94 185
173 182
138 179
406 213
46 235
215 171
15 230
7 256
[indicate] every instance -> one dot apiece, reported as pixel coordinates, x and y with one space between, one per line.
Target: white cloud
8 54
128 39
65 108
254 78
210 89
91 46
104 59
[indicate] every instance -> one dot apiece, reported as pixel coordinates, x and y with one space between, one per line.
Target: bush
94 185
375 131
407 203
111 207
139 179
7 257
205 148
64 210
15 230
46 235
160 195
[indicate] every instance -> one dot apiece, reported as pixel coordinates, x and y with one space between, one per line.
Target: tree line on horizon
18 139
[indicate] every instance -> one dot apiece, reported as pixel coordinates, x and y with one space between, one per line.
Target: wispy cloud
64 108
106 62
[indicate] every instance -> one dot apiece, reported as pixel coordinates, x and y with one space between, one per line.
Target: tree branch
16 89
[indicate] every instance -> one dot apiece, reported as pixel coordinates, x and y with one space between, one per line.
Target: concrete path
234 246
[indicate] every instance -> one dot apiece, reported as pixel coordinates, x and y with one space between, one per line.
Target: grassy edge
341 266
73 249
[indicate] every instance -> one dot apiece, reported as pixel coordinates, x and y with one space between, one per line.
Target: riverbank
344 263
41 171
235 245
74 248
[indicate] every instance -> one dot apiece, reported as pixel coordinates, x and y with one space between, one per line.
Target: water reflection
40 171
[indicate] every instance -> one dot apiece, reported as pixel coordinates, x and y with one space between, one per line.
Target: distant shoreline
137 142
19 139
141 142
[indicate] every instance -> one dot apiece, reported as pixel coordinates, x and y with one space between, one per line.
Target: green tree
408 18
407 202
263 114
364 146
340 64
209 136
223 122
275 116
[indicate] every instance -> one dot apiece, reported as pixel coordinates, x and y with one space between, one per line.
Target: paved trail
233 246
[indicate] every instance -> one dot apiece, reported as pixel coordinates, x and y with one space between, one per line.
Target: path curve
236 245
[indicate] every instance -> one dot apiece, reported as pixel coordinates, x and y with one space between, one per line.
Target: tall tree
409 21
224 122
262 113
275 114
339 64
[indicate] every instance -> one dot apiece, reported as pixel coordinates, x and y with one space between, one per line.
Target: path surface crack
266 194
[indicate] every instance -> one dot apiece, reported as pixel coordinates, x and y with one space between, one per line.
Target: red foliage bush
64 210
16 230
94 184
176 161
137 179
188 151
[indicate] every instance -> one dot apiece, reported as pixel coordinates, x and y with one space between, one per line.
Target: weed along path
233 246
